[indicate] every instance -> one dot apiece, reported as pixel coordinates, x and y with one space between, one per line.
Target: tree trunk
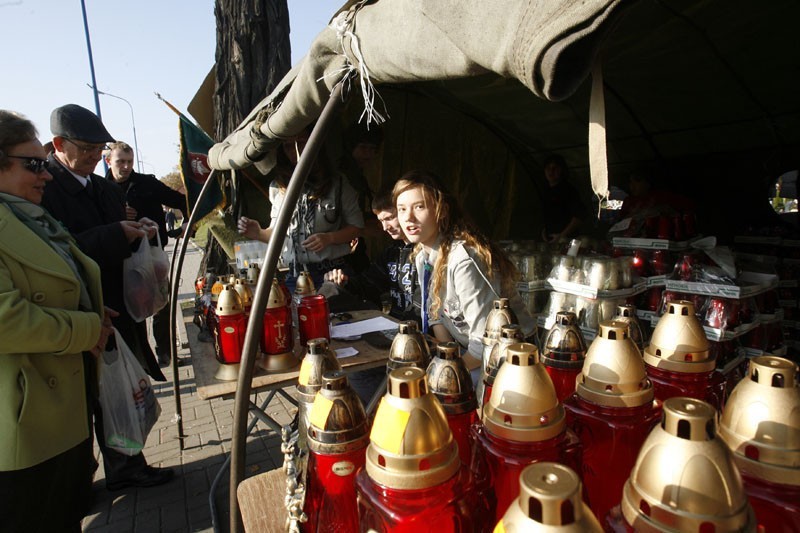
253 54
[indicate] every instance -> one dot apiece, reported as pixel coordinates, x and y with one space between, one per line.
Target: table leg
258 415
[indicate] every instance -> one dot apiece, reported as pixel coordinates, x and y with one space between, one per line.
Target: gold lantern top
450 381
304 286
613 373
549 501
411 445
523 406
679 343
761 421
684 478
509 334
500 315
564 345
252 274
229 302
338 422
409 348
277 298
626 313
216 288
245 292
319 358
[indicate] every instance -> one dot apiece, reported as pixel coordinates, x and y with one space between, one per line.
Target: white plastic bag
130 408
144 294
161 271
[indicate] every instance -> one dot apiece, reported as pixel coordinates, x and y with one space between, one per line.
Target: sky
138 48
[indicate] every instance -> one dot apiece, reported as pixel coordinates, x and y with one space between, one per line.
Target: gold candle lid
626 314
277 298
549 500
679 343
761 421
245 292
500 315
684 478
613 373
450 380
216 288
411 445
304 286
523 406
409 348
319 358
229 302
337 421
564 345
252 274
509 334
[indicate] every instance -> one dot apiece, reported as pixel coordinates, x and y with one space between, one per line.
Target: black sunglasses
34 164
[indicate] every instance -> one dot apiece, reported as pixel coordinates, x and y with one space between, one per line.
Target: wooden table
205 366
205 363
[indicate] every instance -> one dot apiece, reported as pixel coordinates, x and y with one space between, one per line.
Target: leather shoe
148 476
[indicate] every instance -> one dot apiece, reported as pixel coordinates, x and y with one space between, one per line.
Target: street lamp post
133 122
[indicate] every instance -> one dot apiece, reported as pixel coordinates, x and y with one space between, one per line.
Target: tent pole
173 302
255 322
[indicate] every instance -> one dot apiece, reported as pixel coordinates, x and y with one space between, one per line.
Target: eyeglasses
34 164
88 149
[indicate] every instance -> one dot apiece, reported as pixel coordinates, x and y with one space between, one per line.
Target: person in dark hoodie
144 197
394 272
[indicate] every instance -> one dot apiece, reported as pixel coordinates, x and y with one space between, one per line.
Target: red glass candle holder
706 386
499 462
611 438
313 317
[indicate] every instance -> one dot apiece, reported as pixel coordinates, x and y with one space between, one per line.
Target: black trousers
52 496
161 330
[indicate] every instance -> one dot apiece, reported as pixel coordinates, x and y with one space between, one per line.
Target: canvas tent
480 92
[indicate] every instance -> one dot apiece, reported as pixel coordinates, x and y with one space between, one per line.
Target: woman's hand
336 276
318 242
106 331
249 228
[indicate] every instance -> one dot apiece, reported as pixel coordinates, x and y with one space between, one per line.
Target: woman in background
51 311
461 272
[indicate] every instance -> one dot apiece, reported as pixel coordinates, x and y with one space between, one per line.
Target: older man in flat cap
93 209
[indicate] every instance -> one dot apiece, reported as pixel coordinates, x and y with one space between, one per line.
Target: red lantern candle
523 423
313 318
760 429
413 479
611 412
449 379
563 352
678 359
338 436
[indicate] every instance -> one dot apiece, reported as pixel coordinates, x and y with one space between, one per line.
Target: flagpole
91 69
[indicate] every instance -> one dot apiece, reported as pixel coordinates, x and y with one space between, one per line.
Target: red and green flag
194 168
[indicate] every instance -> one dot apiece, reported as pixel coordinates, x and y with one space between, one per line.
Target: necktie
89 187
426 281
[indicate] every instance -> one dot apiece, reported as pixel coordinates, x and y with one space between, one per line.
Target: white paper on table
348 351
355 329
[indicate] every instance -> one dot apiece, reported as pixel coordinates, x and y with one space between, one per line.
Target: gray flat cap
75 122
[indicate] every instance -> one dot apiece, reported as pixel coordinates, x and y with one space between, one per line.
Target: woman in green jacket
51 312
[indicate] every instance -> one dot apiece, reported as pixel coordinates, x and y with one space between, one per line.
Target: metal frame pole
173 302
255 323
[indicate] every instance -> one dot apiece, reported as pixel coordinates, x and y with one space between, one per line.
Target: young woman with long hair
461 272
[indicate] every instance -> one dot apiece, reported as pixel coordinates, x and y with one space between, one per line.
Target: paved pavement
182 505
